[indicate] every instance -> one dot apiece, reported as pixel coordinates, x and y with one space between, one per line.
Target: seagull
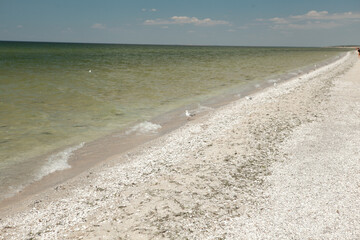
248 98
90 71
188 114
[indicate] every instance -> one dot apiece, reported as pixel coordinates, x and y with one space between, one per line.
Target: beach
281 163
66 106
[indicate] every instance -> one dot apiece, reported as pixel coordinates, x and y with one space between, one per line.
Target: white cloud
312 15
324 15
149 10
98 26
157 22
19 26
312 20
308 25
279 20
181 20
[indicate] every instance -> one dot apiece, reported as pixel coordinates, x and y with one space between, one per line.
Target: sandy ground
284 164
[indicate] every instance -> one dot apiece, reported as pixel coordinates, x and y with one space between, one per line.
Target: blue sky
198 22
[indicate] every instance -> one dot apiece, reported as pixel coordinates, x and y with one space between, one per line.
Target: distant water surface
54 95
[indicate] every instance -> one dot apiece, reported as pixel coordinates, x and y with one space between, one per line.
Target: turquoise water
54 95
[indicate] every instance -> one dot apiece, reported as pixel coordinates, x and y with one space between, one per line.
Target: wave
144 128
57 162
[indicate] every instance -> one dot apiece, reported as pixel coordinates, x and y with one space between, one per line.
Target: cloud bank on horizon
310 20
313 20
180 20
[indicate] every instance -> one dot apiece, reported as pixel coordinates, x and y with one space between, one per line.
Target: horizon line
169 44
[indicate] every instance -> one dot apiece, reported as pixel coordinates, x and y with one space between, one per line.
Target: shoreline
190 175
97 151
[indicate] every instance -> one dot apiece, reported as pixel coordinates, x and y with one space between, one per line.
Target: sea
57 97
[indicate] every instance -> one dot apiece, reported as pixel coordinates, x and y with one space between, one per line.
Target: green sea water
56 94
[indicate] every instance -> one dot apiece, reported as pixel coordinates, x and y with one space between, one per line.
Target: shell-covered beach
280 163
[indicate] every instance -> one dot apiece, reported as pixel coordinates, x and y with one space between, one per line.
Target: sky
185 22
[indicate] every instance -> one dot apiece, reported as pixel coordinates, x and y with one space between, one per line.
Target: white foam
272 81
58 161
144 128
202 108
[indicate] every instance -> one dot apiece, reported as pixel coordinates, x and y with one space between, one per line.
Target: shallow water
57 96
